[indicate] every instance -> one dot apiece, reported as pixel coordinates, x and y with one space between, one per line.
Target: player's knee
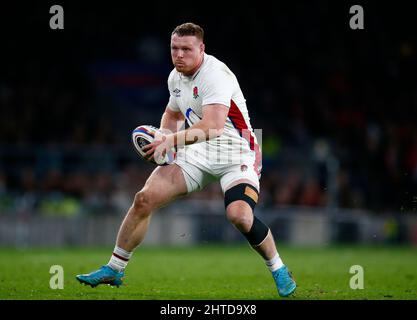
240 215
142 203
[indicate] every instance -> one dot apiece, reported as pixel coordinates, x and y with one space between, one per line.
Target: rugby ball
144 135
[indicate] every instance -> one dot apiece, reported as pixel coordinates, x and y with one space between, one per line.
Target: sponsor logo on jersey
177 92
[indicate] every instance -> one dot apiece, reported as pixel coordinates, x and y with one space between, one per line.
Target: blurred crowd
337 108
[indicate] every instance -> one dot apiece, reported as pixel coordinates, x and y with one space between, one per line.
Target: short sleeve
172 103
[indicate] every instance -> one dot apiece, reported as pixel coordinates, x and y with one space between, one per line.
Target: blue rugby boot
284 281
104 275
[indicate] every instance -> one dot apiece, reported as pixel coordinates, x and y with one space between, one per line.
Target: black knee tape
244 192
257 232
249 194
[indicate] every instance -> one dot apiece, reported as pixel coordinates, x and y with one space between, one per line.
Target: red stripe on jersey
237 118
239 123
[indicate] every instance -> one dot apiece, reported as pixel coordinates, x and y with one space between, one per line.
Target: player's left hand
159 147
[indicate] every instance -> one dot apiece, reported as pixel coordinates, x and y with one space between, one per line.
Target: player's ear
202 47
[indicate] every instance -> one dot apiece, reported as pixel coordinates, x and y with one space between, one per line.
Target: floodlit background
338 113
337 108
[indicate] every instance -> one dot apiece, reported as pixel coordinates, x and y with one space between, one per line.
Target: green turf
213 272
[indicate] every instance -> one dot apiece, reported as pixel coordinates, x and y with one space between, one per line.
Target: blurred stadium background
338 110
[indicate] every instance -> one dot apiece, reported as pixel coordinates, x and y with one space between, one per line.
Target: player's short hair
189 29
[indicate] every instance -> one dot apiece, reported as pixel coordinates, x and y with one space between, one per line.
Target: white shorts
198 170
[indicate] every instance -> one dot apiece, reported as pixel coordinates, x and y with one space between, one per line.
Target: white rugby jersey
214 83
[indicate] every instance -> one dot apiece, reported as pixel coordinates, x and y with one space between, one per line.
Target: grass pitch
212 272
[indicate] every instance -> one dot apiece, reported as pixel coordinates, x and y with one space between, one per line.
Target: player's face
186 53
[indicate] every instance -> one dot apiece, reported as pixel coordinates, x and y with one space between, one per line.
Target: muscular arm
209 127
171 120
